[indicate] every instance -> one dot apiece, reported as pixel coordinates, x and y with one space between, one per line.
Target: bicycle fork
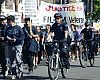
55 61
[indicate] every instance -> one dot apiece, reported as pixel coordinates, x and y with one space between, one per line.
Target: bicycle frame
55 62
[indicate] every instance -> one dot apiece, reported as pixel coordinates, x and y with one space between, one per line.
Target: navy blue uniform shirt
88 33
59 31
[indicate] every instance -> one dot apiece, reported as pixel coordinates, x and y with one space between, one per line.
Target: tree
1 1
96 14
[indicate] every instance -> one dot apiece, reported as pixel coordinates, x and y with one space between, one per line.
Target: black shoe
63 76
68 65
35 67
4 77
30 70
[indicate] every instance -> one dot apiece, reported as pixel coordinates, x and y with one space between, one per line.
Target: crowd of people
28 44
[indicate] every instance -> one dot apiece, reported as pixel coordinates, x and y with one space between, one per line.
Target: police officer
60 32
88 35
2 49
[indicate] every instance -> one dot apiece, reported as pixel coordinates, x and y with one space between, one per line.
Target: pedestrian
48 38
30 43
3 24
14 37
74 35
41 44
99 41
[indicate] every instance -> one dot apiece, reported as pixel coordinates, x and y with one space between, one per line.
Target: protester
74 35
3 25
30 43
15 37
48 38
41 44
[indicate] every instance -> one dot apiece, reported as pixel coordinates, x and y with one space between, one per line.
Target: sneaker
13 77
6 73
72 60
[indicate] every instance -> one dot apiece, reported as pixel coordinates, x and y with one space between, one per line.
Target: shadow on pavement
75 65
27 78
76 79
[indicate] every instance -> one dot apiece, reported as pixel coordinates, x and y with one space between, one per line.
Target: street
76 72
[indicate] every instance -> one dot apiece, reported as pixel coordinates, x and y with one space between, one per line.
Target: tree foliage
1 1
96 14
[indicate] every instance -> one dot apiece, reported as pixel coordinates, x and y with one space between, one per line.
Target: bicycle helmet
11 17
27 19
58 15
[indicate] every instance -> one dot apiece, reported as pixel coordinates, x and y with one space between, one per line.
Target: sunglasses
57 18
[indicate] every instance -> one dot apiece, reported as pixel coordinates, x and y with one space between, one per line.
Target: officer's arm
66 34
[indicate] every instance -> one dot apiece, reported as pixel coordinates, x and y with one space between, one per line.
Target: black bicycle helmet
58 15
27 19
11 17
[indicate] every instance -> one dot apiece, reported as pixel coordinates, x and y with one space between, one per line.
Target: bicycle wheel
53 67
83 58
91 60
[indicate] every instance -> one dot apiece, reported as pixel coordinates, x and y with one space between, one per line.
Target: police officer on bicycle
88 36
59 31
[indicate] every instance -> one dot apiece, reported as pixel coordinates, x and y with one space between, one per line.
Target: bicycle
55 62
86 55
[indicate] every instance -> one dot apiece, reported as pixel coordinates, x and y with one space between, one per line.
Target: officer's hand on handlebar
13 40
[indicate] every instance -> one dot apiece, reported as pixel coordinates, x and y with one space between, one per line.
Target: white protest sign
29 7
72 13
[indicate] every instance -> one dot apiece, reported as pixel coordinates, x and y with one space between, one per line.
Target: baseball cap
11 17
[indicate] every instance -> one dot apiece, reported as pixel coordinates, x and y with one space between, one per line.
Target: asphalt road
76 72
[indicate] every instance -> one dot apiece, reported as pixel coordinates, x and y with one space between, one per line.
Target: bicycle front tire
53 67
83 59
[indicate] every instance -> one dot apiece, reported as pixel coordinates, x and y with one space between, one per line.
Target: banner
72 13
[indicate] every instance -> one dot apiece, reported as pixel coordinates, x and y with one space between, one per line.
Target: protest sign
72 13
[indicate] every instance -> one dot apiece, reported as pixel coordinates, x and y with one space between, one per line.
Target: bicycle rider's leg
91 49
64 55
